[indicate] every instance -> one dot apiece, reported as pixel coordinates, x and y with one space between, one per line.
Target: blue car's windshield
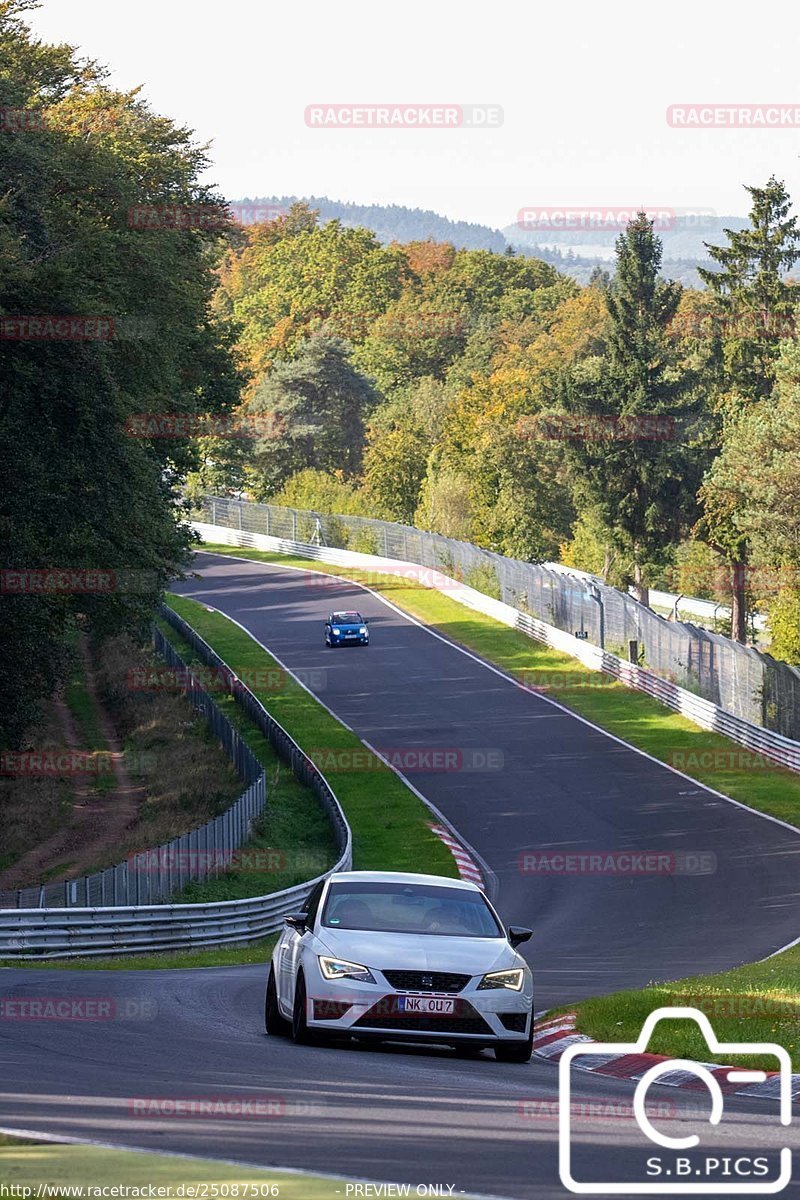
346 618
409 908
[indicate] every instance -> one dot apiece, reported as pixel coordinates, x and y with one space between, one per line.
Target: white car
393 956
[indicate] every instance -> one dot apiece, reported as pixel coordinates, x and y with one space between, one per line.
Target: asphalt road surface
730 894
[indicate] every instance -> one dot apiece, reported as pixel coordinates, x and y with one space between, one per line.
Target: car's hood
348 626
419 952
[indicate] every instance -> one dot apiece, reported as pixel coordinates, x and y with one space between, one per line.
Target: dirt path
98 819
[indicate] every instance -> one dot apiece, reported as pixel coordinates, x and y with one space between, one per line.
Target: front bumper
371 1010
342 639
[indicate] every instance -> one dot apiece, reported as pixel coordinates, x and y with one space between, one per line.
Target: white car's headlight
503 979
338 968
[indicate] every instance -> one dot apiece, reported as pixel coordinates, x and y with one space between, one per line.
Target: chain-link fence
737 678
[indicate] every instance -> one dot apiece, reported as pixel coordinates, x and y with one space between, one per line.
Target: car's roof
401 877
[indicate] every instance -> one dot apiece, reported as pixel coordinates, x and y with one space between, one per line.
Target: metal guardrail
122 929
773 746
89 932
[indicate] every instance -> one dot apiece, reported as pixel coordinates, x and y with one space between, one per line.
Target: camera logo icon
677 1171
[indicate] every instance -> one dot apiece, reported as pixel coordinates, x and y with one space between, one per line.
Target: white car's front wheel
300 1031
275 1024
515 1052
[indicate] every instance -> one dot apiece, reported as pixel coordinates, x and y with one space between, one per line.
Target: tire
275 1024
515 1052
301 1034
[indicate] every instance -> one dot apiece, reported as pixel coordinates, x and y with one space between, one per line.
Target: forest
632 427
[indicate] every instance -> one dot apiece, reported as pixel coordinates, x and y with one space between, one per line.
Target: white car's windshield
409 908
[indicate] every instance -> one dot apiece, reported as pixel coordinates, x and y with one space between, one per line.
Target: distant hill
574 252
577 251
393 222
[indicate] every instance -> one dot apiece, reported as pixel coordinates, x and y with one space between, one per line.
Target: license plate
427 1005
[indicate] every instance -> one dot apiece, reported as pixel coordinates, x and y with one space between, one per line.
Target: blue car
346 629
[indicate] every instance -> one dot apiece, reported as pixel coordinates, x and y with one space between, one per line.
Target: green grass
212 956
390 824
27 1164
707 757
758 1002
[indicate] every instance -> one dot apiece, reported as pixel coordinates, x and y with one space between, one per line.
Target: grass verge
759 1002
28 1164
390 824
708 757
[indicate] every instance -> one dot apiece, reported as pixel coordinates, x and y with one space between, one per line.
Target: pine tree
632 413
754 300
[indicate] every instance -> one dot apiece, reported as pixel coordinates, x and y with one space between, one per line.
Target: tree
314 406
293 278
318 491
755 301
77 490
444 505
756 484
628 415
757 308
395 462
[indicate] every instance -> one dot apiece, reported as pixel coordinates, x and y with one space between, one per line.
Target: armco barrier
780 750
123 929
69 932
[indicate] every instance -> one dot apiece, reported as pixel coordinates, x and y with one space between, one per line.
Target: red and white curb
553 1035
467 867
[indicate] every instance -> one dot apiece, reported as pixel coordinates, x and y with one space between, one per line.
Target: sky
584 89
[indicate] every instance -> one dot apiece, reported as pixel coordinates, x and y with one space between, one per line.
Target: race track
402 1114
